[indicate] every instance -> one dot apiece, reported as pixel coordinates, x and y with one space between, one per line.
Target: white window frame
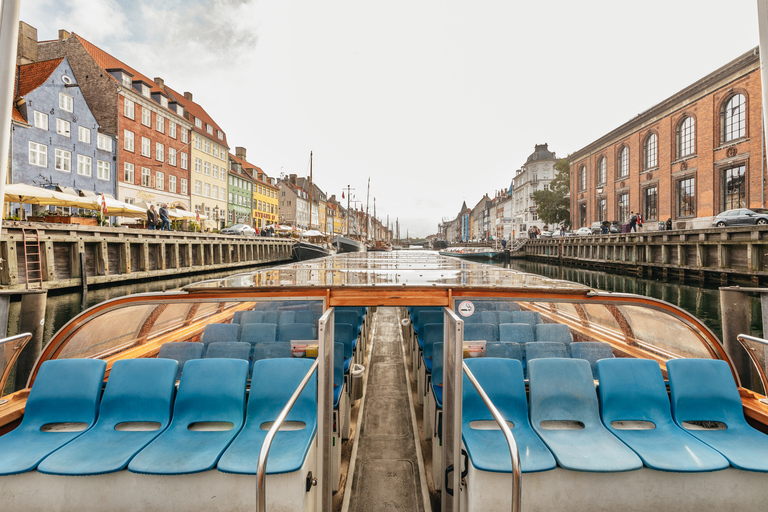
207 168
129 108
84 165
198 187
146 116
159 152
172 183
66 102
159 180
63 160
184 161
184 186
41 120
207 189
128 173
63 127
198 166
146 177
198 122
184 135
38 154
172 156
103 142
102 170
172 129
146 147
84 134
160 124
128 142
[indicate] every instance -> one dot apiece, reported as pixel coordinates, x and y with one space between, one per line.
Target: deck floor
388 471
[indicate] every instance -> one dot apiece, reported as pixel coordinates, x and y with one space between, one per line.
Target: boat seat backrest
305 317
592 351
487 332
64 391
272 384
517 333
489 317
428 317
251 317
181 352
345 334
287 317
276 350
231 350
505 349
505 317
290 332
545 349
220 332
565 414
703 390
270 317
553 332
526 317
258 333
502 380
633 391
346 317
433 333
212 390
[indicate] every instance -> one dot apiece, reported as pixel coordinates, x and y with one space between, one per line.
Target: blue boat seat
592 351
220 332
489 317
338 372
181 352
211 391
64 391
345 334
703 390
228 350
270 317
633 390
502 380
290 332
505 317
251 317
436 383
305 317
258 333
273 383
347 317
554 332
565 414
526 317
276 350
517 333
480 331
433 333
287 317
425 318
544 349
504 349
139 392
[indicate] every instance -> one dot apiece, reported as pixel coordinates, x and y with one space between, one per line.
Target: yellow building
209 164
265 194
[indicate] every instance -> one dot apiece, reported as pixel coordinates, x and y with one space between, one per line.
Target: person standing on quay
165 222
633 222
151 217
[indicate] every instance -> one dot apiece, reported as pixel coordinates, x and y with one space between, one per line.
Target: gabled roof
253 170
31 76
199 112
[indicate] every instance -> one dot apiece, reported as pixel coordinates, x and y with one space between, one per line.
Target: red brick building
688 158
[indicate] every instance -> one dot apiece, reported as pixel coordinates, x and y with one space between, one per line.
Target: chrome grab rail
261 470
743 338
513 451
22 340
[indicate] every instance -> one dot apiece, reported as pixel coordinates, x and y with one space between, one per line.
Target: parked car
596 228
584 231
741 217
239 229
546 234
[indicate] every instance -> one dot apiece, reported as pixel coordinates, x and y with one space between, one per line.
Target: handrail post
743 338
511 443
261 469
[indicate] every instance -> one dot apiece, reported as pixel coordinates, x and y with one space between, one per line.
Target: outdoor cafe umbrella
116 208
22 193
176 214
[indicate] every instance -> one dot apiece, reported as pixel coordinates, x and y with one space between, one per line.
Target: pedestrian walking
633 222
165 221
151 217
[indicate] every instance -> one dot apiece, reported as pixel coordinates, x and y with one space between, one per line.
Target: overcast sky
438 102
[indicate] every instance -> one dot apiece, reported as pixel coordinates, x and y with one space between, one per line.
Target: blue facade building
55 140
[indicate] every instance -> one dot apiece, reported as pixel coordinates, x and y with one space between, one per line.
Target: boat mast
367 219
9 37
310 190
762 23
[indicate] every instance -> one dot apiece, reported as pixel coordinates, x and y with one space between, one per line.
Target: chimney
292 179
26 52
63 35
160 82
188 95
240 152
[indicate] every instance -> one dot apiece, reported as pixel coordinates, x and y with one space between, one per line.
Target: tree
554 205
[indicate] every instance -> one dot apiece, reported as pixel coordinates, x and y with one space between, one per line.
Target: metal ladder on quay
32 258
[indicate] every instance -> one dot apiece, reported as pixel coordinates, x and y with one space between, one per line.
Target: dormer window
126 79
164 101
180 110
209 129
198 123
145 90
220 135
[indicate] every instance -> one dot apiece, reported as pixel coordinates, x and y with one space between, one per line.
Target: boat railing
757 350
10 349
261 471
511 443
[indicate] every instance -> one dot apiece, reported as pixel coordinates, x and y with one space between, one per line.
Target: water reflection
702 302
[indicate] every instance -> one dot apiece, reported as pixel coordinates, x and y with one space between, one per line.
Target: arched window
650 152
601 171
734 118
583 178
623 162
686 137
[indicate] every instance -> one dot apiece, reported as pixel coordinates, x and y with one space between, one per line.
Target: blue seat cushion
437 392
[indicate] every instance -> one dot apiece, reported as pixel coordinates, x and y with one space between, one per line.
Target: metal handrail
6 372
751 353
513 451
261 470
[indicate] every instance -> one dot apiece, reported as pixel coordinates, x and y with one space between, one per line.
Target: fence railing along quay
75 256
737 253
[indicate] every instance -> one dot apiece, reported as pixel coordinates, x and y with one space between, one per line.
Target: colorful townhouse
240 195
146 119
265 193
55 139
